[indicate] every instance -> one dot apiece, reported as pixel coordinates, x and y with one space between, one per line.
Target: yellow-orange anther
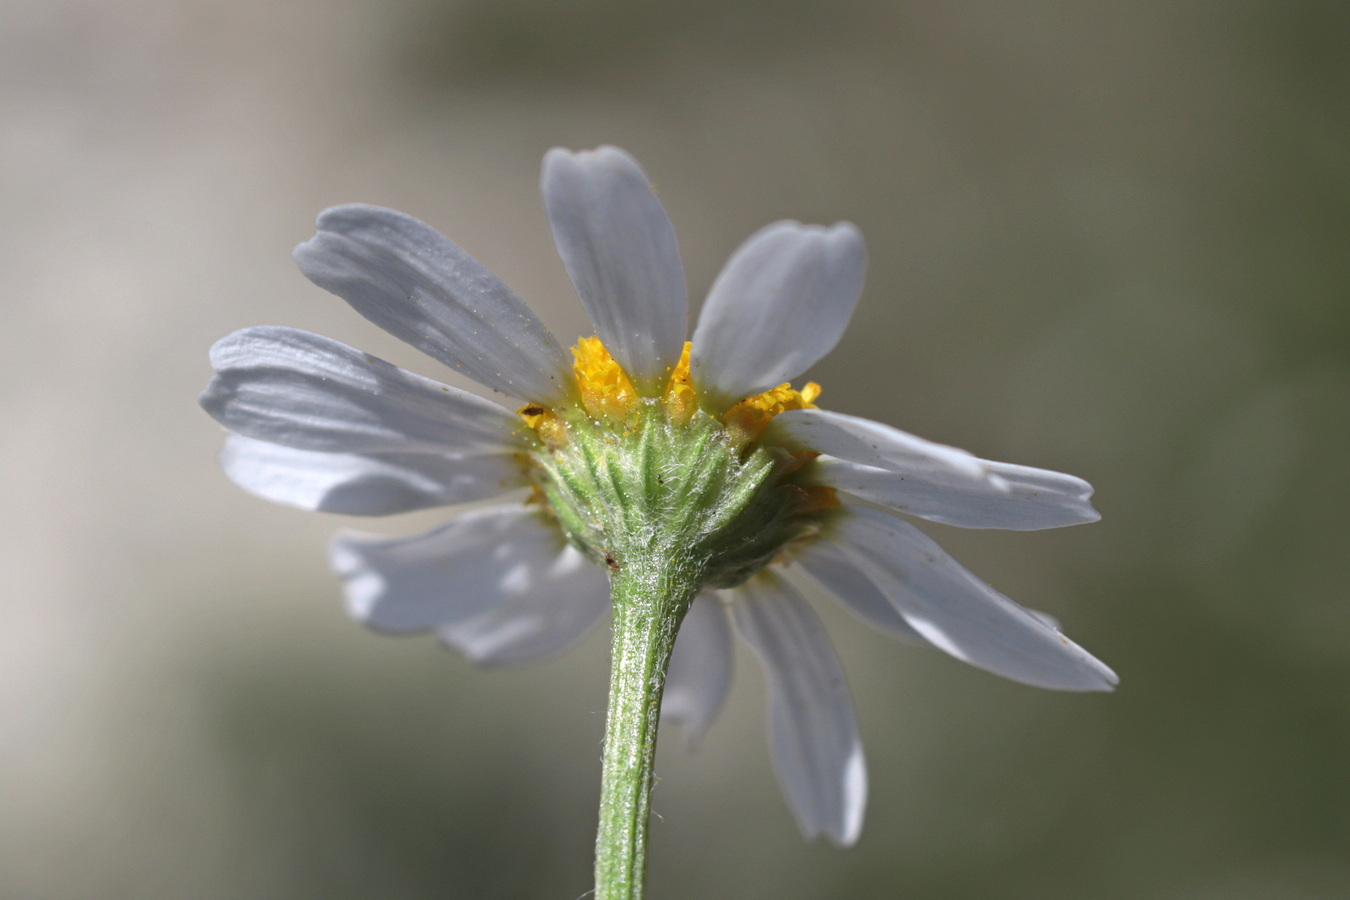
681 400
605 389
752 415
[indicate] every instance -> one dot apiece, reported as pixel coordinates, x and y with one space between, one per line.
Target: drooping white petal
365 485
411 281
1022 498
814 736
313 393
874 444
619 249
827 563
484 559
830 566
700 669
959 613
565 600
780 304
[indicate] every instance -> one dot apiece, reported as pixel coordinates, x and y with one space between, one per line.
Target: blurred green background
1104 238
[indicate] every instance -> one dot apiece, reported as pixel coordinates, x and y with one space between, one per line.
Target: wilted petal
834 570
365 484
874 444
1021 499
484 559
411 281
814 735
619 248
700 669
780 304
960 614
566 599
313 393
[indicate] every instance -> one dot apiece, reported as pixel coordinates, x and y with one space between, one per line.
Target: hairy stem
650 600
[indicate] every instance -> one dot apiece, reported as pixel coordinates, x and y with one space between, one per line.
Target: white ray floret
874 444
959 613
1014 498
619 249
481 560
780 304
411 281
524 625
700 669
301 390
831 567
370 484
813 733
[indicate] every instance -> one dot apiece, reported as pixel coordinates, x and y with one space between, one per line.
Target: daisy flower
684 473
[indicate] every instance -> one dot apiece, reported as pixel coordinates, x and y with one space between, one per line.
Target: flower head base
632 477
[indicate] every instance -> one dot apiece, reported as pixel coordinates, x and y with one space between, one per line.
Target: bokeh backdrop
1105 238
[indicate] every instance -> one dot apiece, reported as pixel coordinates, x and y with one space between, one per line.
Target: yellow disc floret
681 399
604 387
607 393
752 415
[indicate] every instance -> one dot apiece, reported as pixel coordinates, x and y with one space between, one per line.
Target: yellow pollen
752 415
545 422
605 389
606 392
533 414
681 400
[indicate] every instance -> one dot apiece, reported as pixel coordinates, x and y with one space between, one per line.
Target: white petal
619 248
780 304
834 570
313 393
874 444
414 283
564 601
1022 498
481 560
814 736
700 669
959 613
365 485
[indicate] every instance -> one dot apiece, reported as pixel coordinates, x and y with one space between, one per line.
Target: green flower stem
650 599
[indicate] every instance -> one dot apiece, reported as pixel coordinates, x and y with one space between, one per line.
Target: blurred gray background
1104 238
